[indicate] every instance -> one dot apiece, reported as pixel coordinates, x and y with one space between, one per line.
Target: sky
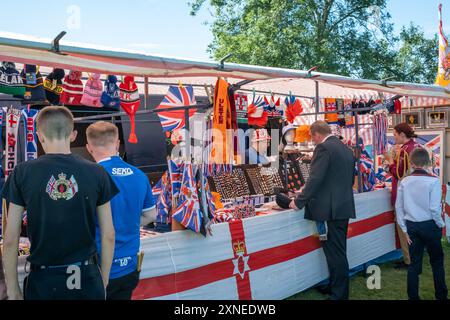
161 27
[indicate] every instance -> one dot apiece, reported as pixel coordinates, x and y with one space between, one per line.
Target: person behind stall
399 168
257 152
418 207
133 207
63 194
328 197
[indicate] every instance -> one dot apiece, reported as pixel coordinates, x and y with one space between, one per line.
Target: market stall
256 250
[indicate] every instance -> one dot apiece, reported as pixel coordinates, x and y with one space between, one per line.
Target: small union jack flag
164 202
176 176
177 96
188 212
272 106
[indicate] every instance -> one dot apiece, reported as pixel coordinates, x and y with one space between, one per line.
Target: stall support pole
146 92
358 153
188 139
317 98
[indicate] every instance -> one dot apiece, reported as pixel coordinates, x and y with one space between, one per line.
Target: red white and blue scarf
29 117
12 129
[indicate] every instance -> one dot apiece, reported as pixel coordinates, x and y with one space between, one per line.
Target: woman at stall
399 167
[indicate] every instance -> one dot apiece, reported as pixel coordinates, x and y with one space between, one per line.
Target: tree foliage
347 37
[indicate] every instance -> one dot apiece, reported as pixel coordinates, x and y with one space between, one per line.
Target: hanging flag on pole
443 76
177 96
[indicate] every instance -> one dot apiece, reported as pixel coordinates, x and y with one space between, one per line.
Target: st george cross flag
177 96
29 117
443 76
188 212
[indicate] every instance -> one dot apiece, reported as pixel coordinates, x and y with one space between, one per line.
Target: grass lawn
393 283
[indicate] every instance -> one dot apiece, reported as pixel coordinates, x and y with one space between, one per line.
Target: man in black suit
328 196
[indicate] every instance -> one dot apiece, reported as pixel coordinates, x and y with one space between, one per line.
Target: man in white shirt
418 208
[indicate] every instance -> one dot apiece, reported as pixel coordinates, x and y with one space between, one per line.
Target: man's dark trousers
335 249
57 284
426 234
122 288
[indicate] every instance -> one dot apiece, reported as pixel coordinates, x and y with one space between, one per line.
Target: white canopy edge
92 58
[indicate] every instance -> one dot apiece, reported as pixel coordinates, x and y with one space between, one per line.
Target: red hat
72 89
130 101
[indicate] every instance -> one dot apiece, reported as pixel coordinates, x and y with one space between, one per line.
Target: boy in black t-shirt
64 195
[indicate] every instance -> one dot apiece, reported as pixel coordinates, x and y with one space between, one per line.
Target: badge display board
437 118
414 119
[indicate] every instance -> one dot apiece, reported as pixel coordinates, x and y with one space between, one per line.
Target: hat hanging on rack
130 101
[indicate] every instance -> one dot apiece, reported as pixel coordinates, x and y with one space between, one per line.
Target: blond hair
55 122
102 133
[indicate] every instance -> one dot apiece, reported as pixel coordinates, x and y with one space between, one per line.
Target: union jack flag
51 185
433 144
272 106
164 202
188 212
177 96
176 176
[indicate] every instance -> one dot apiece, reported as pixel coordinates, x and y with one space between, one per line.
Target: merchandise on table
254 174
240 183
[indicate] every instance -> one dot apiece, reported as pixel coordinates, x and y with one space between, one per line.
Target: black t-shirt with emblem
60 193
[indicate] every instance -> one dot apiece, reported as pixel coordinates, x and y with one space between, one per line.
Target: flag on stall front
177 96
443 76
188 212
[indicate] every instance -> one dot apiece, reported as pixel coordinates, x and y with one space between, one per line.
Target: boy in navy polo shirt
418 208
133 207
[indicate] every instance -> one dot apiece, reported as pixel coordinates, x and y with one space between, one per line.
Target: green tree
347 37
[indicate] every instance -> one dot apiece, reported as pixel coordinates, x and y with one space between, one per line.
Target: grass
393 283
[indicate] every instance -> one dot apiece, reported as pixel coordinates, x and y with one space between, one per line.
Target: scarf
12 129
30 133
222 146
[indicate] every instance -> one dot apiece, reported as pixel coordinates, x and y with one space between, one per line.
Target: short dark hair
320 127
55 122
420 157
102 133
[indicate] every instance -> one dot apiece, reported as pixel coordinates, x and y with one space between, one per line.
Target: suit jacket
328 193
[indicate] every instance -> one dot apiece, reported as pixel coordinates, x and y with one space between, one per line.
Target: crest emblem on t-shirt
62 188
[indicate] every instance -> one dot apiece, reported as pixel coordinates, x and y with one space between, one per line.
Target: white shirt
419 199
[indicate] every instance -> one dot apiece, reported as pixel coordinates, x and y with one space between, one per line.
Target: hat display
53 86
302 134
257 116
10 79
72 89
288 128
110 97
92 91
130 101
293 108
33 82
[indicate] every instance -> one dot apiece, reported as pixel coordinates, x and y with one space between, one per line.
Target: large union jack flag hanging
177 96
188 212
